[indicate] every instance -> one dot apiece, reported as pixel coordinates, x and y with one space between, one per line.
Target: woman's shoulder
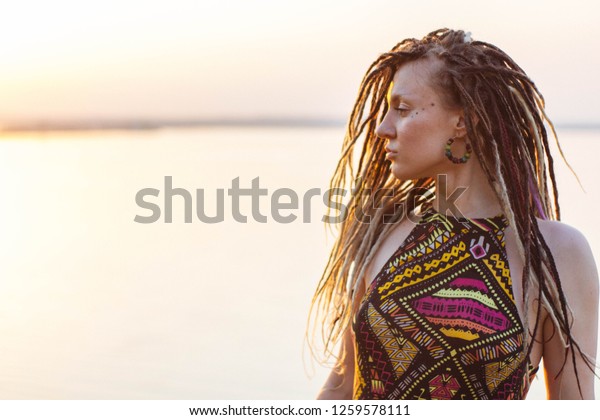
558 234
571 251
562 237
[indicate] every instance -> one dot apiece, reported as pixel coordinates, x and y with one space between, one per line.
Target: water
96 306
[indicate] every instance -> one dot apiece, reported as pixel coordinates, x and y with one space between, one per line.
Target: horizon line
157 124
160 123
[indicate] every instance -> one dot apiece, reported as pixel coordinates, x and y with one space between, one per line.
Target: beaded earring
454 159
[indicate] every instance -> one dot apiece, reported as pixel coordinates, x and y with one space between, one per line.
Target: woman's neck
466 192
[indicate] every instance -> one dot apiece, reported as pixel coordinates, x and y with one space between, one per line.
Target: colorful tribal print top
439 321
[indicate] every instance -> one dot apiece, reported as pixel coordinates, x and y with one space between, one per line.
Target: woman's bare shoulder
571 252
563 237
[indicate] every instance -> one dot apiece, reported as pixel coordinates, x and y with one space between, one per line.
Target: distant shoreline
140 125
143 125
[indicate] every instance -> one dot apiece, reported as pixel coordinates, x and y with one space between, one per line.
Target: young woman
451 277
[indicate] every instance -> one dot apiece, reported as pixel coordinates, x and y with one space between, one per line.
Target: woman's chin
401 171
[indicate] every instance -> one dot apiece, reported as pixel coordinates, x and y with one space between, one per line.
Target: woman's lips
390 153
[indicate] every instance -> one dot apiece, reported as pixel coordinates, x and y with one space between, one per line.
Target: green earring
454 159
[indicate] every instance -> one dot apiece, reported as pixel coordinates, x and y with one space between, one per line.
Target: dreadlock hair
504 117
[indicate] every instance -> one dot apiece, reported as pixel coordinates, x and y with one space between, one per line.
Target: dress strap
493 223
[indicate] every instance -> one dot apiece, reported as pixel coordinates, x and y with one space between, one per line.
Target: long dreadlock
504 117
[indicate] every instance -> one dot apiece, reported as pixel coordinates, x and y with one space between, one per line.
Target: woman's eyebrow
397 97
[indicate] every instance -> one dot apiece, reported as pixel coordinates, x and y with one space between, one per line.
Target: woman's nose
385 130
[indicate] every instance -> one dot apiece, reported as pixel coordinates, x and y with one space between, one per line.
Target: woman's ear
460 126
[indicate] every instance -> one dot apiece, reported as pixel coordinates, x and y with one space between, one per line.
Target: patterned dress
439 321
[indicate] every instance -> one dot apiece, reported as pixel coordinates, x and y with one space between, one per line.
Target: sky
231 59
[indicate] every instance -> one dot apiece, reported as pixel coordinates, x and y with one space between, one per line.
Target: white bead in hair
467 37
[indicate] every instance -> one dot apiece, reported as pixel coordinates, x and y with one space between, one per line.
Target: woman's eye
402 111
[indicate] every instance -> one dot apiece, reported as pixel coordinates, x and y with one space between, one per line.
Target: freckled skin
419 139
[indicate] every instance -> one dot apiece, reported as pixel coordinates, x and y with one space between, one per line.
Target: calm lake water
96 306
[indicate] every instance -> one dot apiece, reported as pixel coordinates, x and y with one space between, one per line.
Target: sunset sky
66 60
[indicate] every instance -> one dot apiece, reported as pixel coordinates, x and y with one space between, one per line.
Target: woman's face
418 124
